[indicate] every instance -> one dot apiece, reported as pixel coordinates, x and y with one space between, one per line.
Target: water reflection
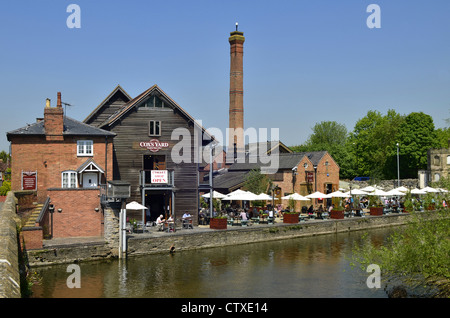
304 267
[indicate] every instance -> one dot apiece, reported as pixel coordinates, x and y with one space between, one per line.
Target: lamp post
315 181
212 145
398 168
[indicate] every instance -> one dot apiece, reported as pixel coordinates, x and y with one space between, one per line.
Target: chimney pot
47 102
59 100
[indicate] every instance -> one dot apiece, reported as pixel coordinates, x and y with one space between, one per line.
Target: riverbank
91 249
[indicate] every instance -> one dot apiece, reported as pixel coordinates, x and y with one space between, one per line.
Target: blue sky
304 61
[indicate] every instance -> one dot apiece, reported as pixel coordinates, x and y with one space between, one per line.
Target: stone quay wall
9 249
184 240
139 245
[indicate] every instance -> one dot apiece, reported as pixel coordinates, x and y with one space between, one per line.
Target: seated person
160 221
243 215
186 215
311 210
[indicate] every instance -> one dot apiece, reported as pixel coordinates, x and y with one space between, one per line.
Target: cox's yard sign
159 176
29 180
154 145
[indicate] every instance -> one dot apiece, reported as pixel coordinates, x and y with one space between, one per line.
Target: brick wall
327 173
78 216
32 236
50 159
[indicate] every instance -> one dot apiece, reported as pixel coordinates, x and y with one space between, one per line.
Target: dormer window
85 148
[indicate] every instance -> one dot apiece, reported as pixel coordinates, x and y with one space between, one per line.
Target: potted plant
218 222
376 207
338 210
291 217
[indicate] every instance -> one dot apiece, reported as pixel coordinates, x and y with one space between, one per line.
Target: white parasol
264 197
216 195
295 196
240 195
318 195
357 192
339 194
418 191
394 192
430 189
401 189
135 206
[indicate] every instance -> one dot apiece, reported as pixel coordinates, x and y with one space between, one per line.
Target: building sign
159 176
154 145
310 177
29 180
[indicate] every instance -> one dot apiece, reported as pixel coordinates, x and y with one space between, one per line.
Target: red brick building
65 160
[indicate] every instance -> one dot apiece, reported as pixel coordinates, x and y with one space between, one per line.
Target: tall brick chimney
236 111
54 120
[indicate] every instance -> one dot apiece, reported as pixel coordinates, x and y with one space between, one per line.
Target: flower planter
376 211
337 214
291 218
218 224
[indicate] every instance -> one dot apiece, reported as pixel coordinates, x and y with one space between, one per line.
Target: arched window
436 177
436 160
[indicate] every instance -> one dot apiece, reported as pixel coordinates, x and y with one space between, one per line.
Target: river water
316 266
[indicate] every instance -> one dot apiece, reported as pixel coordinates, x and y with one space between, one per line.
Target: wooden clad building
143 147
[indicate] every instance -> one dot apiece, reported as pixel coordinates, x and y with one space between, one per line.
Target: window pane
73 178
89 147
64 180
152 128
157 131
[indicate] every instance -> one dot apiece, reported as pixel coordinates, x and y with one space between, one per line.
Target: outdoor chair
187 224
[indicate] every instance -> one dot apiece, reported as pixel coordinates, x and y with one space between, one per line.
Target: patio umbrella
430 189
395 192
240 195
135 206
357 192
264 197
443 190
216 195
339 194
418 191
295 196
378 192
401 189
318 195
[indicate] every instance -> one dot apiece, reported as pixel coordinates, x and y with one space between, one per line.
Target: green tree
416 136
256 182
332 137
443 137
373 143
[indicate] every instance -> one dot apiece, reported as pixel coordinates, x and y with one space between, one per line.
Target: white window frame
72 179
85 148
154 133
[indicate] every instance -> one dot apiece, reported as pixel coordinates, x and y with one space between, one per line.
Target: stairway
31 222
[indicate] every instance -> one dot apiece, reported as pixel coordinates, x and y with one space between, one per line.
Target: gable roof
286 160
140 98
116 90
72 127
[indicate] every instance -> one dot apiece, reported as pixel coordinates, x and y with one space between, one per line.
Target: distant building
303 173
437 167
